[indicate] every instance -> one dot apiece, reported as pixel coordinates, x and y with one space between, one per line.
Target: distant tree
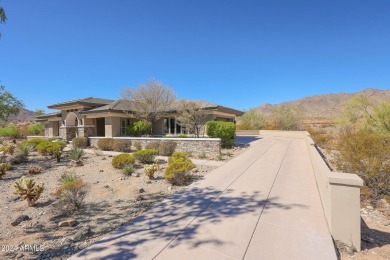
192 116
3 17
286 118
251 120
150 100
39 112
9 105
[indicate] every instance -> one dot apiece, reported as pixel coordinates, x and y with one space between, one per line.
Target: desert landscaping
51 229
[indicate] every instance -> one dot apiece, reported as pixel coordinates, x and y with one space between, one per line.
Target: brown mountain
325 106
24 116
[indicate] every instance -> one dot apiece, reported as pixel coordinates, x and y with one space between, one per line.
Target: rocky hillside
24 116
325 106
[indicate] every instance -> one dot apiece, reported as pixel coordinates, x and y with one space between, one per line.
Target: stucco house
98 117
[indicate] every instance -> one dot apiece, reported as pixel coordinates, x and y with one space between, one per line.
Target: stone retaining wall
211 146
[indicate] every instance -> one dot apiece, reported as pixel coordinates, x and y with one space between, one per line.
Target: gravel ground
112 200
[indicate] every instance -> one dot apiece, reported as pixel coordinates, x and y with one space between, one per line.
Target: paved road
263 204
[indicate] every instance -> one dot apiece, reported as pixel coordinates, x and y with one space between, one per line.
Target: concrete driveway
263 204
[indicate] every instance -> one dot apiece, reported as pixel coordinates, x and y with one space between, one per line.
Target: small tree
9 105
286 118
150 100
192 116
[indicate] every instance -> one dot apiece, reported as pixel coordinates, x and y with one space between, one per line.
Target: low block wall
247 132
339 192
211 146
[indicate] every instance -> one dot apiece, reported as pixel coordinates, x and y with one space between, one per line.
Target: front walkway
264 204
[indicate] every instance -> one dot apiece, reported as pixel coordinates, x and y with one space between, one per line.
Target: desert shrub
153 145
34 141
223 130
17 159
178 171
34 170
28 190
76 154
4 167
137 145
139 128
48 147
80 142
177 155
122 145
146 156
320 137
57 153
220 157
9 131
128 169
36 129
167 148
25 149
150 170
189 153
8 149
106 144
71 192
367 155
121 160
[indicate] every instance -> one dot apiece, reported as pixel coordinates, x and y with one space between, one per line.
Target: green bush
80 142
122 145
167 148
153 145
121 160
223 130
9 131
177 155
36 129
139 128
182 136
178 171
146 156
47 147
35 141
106 144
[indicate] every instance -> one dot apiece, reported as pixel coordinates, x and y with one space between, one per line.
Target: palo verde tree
251 120
150 100
192 116
9 105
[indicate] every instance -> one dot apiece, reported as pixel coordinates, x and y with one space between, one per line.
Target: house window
124 124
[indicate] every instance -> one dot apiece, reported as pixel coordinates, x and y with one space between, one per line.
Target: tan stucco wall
51 128
112 126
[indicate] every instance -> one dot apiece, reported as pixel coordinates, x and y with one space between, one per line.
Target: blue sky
235 53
